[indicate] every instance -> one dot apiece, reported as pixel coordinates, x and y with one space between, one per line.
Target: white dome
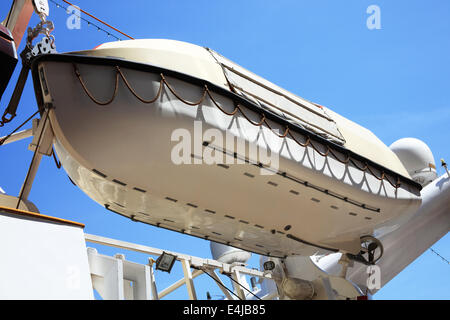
227 254
417 159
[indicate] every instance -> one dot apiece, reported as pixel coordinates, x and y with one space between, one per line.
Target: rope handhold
207 92
116 86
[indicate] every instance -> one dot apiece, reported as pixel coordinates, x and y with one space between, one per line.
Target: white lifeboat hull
124 156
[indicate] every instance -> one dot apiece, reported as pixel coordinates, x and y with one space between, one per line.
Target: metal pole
152 280
18 136
35 161
189 280
236 277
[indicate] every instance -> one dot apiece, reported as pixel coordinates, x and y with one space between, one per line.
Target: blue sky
394 81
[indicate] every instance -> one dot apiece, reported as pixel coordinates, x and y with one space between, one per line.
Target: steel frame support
200 266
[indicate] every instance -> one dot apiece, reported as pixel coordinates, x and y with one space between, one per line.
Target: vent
119 182
99 173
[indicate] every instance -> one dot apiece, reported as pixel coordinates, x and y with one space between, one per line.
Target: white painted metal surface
18 136
115 278
42 260
111 276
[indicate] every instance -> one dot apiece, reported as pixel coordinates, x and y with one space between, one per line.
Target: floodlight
165 262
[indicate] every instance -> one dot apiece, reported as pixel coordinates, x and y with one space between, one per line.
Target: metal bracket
46 45
42 130
42 143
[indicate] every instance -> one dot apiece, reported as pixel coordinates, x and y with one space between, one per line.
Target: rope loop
304 145
286 131
346 161
320 152
196 103
134 92
232 113
257 124
102 103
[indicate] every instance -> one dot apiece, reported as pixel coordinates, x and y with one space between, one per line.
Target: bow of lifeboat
174 135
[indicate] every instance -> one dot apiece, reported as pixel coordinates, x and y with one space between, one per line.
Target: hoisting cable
101 21
221 284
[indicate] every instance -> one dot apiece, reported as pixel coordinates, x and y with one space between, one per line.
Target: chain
46 45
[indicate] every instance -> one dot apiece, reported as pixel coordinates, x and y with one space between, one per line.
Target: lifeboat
175 135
